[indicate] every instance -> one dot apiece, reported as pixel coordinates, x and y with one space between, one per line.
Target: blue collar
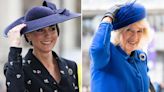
122 51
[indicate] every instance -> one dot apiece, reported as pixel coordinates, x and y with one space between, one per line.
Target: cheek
140 40
54 37
124 38
140 36
36 38
122 41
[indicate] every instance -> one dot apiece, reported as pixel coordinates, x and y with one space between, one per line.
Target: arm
100 47
14 71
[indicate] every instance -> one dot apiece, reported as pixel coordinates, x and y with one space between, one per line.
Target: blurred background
69 42
92 13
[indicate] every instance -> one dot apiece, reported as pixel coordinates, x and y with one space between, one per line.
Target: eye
39 30
53 28
140 31
128 30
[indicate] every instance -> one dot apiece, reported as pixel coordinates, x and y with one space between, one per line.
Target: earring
30 42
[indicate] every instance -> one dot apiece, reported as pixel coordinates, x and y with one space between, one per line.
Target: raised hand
112 11
14 35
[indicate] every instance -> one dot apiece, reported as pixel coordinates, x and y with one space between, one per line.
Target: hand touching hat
112 11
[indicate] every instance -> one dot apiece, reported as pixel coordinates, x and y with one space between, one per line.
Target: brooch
70 71
142 57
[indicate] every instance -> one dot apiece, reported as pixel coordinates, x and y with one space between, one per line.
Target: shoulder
69 63
66 62
72 71
141 55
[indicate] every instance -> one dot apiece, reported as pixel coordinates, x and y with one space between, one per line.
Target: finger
18 28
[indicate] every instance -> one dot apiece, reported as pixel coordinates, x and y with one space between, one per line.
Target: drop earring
30 42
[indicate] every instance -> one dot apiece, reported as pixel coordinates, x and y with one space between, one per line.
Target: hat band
128 21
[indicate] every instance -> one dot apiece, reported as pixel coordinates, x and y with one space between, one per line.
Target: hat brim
41 22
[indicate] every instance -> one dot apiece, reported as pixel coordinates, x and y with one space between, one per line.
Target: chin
130 48
46 49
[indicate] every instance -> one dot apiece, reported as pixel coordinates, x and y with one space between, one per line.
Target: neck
126 50
46 58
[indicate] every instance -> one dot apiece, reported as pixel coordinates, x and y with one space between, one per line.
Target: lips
132 43
46 42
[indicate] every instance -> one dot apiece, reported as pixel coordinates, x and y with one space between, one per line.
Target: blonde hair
146 38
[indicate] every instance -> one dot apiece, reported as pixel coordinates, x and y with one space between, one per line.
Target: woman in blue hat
120 65
42 70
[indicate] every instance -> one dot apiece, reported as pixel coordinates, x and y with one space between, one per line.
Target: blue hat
128 14
42 16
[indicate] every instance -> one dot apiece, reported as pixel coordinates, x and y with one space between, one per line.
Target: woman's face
43 39
130 38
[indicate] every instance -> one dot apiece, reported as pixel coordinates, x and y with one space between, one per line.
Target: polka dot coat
29 74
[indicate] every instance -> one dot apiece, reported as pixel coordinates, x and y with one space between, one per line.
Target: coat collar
36 65
136 55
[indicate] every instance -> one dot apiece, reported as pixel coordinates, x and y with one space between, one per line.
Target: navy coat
112 70
29 74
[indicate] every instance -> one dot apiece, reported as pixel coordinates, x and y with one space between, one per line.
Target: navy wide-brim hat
42 16
128 14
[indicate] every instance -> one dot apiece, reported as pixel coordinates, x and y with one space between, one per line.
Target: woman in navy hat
42 70
120 65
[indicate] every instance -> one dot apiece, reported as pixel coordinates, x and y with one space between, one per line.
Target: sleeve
14 72
100 48
73 72
76 82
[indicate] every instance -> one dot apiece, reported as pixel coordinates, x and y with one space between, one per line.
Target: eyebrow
52 25
140 29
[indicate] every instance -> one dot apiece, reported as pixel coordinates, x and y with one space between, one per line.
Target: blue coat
112 70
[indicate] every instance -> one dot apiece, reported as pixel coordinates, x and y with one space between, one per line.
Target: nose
47 31
134 36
